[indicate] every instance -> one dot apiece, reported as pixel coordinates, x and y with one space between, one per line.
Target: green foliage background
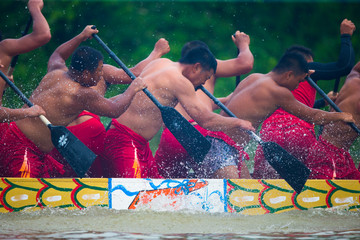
131 28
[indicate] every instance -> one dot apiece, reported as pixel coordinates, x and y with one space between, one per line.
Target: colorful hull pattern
244 196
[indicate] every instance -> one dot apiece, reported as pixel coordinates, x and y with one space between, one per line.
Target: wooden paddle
14 59
79 156
294 172
331 103
189 137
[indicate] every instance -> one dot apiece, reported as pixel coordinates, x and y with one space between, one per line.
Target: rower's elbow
249 65
245 66
41 38
44 38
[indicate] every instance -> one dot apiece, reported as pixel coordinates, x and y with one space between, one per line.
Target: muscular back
254 99
339 133
58 95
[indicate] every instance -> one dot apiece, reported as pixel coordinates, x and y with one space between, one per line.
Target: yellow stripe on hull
245 196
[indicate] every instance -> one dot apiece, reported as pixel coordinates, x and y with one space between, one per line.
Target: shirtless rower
171 158
63 93
329 157
126 145
87 126
259 95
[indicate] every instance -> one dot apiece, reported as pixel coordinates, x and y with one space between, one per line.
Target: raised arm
114 75
346 60
242 64
64 51
37 38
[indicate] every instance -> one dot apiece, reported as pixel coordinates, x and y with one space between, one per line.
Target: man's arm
9 115
288 102
94 102
242 64
64 51
37 38
114 75
346 60
192 104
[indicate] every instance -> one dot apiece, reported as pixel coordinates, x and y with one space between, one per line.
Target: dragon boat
243 196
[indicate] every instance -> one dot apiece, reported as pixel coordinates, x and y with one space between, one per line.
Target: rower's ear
288 74
197 67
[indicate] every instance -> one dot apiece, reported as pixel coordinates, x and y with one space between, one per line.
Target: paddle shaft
331 103
14 59
22 96
127 71
228 112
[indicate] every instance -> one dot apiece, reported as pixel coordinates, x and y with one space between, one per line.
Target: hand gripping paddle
331 103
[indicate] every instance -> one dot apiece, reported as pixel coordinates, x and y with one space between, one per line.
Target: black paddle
336 84
79 156
336 88
294 172
331 103
189 137
14 59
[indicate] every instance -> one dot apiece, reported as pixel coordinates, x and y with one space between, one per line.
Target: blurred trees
131 28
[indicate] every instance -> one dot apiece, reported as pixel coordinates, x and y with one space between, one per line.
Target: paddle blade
189 137
76 153
291 169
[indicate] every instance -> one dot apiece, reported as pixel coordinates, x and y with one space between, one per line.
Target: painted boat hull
244 196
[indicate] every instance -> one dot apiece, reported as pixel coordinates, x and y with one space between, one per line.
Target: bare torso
341 134
254 100
56 94
163 79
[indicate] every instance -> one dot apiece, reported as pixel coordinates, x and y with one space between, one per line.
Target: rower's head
200 65
192 44
87 62
293 68
306 52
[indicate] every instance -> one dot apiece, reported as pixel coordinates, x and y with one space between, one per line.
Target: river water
103 223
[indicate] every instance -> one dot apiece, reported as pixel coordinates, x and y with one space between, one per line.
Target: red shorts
19 157
329 162
174 162
92 133
127 154
293 134
3 128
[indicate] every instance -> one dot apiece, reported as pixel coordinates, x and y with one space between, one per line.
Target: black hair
306 52
292 61
86 58
192 44
200 55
